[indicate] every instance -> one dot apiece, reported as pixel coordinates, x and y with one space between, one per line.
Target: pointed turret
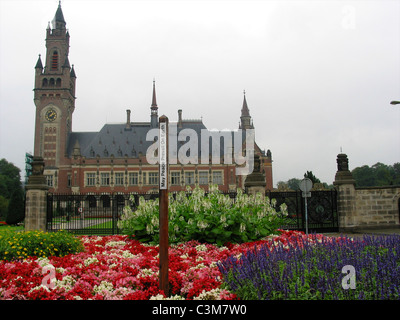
245 118
154 100
59 21
39 64
245 108
154 108
72 74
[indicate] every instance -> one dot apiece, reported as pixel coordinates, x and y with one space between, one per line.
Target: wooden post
163 203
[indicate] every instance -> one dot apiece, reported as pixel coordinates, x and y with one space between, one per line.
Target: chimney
128 119
180 118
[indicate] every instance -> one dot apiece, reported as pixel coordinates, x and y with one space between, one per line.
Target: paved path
362 232
78 224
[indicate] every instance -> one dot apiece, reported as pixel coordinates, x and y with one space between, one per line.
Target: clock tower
54 96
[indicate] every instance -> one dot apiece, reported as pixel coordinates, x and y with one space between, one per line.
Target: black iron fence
98 214
321 210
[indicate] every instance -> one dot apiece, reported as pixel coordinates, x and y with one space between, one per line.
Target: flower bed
366 268
117 268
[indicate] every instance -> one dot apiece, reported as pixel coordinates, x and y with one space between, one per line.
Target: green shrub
20 245
212 218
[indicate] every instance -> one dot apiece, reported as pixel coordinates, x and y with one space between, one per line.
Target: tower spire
154 100
245 118
154 108
245 108
59 21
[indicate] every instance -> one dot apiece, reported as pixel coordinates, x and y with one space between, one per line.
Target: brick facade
112 160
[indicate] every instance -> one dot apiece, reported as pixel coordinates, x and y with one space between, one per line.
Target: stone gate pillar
346 198
36 197
255 181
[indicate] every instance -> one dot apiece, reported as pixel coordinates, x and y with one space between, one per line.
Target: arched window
51 83
45 83
106 201
58 82
92 201
54 61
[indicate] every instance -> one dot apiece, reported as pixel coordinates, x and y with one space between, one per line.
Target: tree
16 209
10 184
311 176
3 208
10 179
294 184
377 175
363 176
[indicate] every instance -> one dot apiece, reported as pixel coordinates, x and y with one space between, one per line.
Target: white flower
127 254
115 243
201 247
90 260
145 272
202 224
213 294
161 297
103 286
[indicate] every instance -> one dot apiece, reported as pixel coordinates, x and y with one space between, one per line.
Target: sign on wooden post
163 203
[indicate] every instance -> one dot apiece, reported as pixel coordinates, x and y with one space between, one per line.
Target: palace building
113 160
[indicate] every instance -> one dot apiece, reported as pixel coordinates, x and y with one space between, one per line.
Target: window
144 177
133 178
153 178
203 177
105 179
119 178
69 180
90 179
217 177
49 180
189 178
92 201
105 201
175 178
54 61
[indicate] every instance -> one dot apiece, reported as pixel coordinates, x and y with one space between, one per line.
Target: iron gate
98 214
321 210
89 214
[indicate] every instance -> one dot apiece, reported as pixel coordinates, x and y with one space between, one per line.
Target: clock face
51 115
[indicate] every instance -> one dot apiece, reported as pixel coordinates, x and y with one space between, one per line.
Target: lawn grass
5 228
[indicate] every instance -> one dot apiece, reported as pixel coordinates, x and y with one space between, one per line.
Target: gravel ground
360 233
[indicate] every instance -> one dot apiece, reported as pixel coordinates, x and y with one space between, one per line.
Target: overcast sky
319 75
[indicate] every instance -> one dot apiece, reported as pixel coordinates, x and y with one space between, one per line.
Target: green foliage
294 183
3 207
377 175
20 245
212 218
16 209
10 184
312 177
10 178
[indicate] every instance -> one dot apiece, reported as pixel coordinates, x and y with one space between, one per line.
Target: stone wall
378 206
363 208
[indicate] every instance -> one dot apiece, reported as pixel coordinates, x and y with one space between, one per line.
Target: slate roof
115 139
